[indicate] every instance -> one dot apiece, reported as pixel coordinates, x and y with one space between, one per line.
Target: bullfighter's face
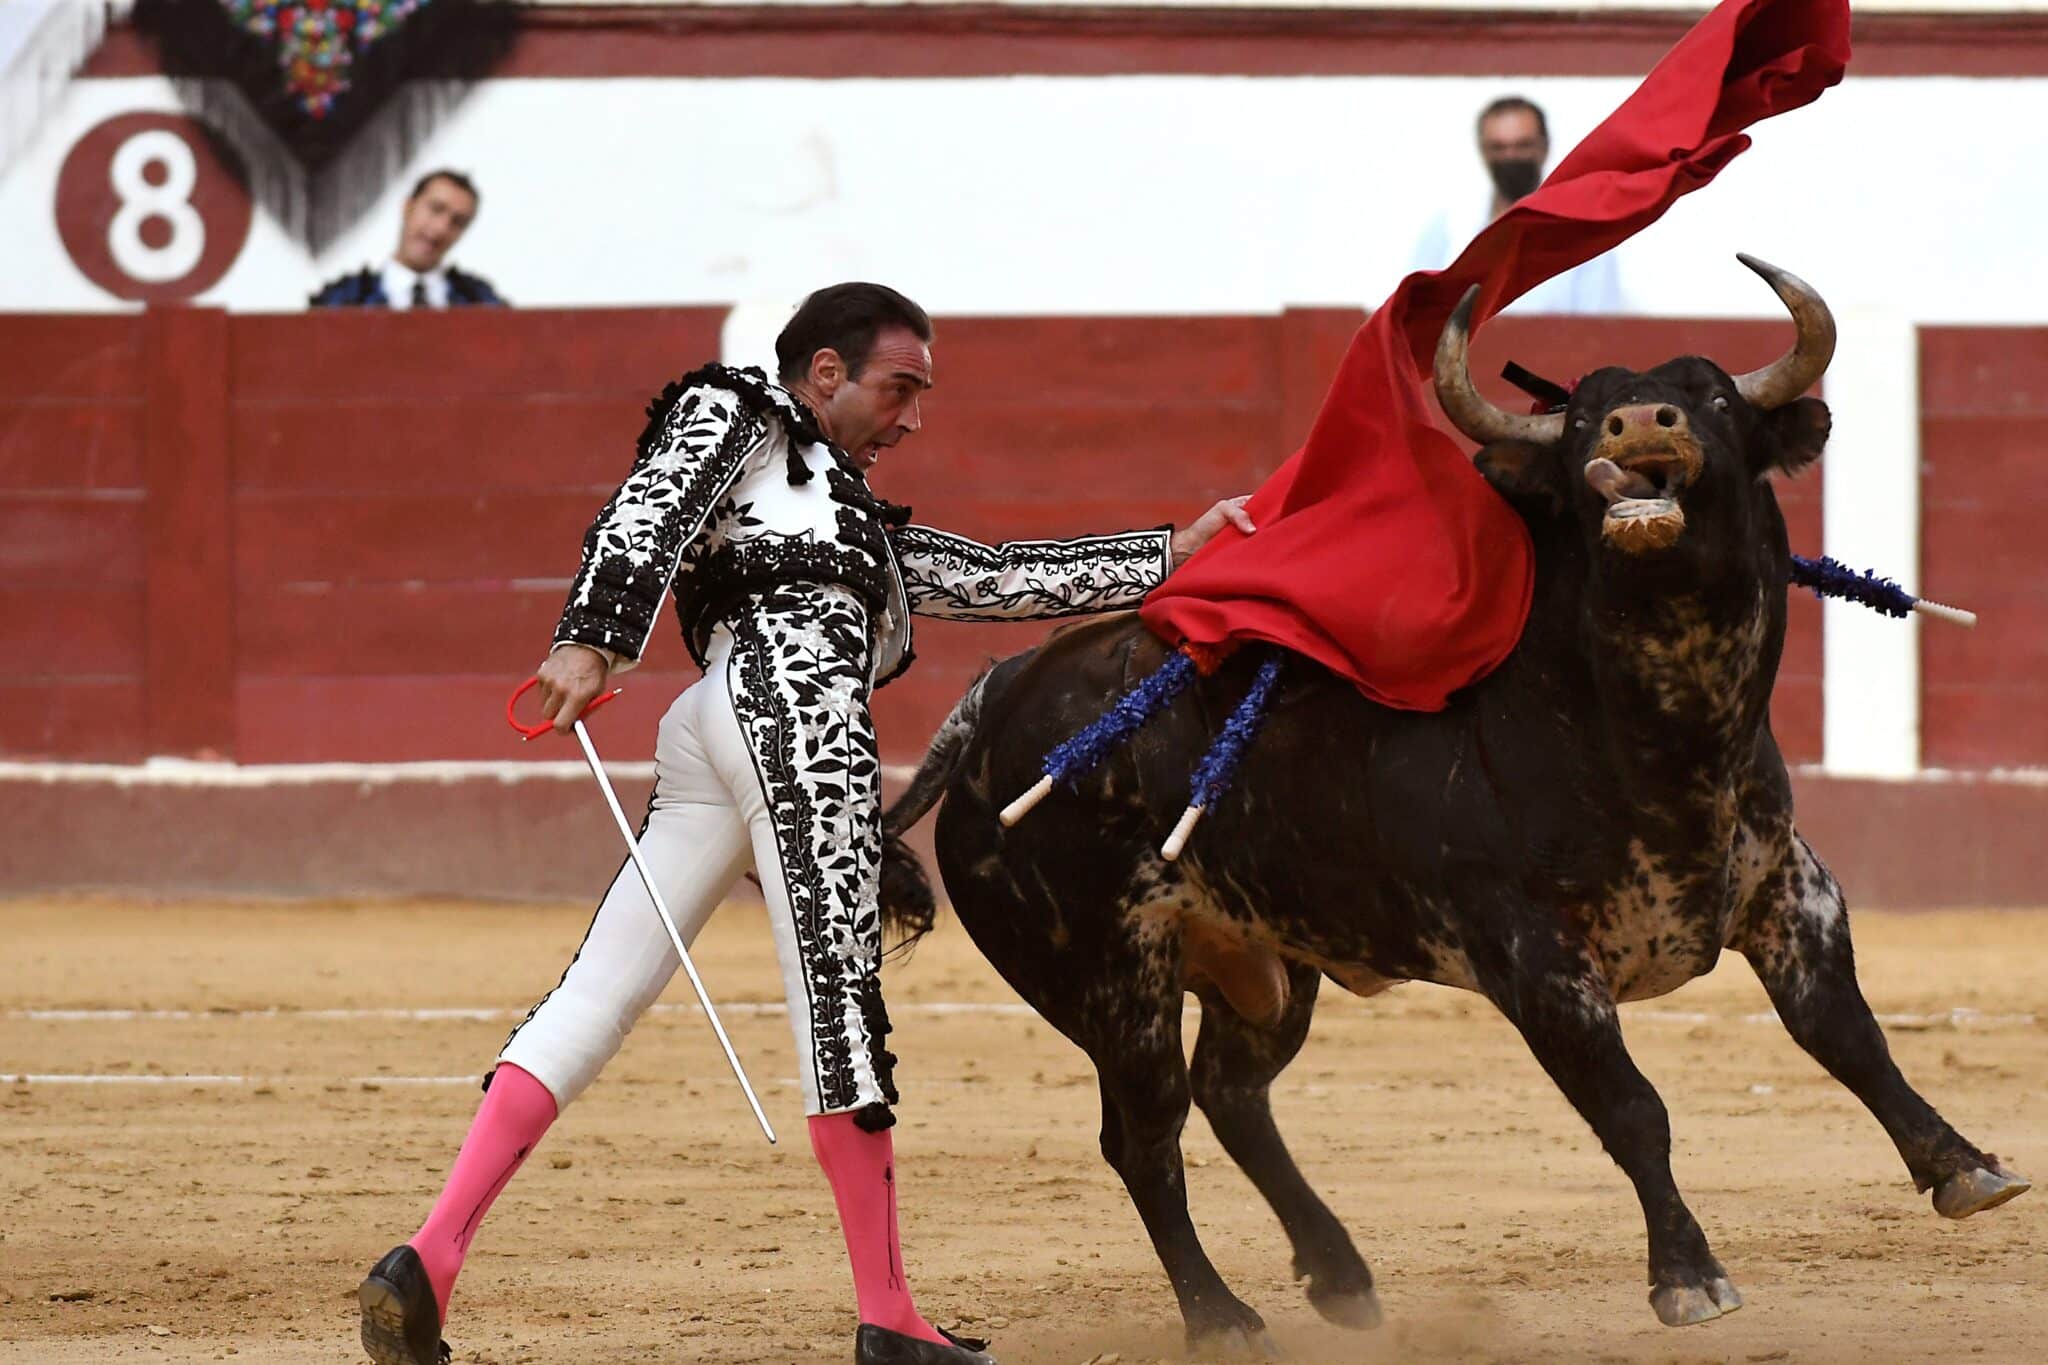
867 411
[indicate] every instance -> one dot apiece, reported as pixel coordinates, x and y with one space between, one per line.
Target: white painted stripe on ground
108 1016
367 1082
1958 1017
736 1007
117 1078
99 1078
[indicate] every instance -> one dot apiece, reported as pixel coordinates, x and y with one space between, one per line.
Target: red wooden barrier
359 526
188 592
410 497
1984 693
71 537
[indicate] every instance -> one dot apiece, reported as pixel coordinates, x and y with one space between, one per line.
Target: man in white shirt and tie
1514 142
439 210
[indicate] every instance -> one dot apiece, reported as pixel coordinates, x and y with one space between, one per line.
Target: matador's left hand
1229 512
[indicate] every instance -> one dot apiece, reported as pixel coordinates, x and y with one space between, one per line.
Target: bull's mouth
1665 471
1641 487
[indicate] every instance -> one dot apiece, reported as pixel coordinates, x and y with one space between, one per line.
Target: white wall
1130 194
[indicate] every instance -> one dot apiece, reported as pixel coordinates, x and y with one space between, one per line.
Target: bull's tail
908 904
942 760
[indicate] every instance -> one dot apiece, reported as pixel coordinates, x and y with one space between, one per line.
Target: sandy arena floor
212 1119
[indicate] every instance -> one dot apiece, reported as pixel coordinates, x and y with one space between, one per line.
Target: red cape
1381 553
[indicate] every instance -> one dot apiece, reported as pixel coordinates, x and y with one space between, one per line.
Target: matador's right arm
697 441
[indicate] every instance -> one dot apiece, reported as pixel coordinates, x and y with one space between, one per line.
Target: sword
668 921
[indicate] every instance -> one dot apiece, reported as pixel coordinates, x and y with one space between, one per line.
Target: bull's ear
1795 434
1524 474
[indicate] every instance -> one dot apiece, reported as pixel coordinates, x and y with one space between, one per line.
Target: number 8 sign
152 206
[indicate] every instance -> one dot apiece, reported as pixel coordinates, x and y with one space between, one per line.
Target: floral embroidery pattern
954 577
800 663
631 550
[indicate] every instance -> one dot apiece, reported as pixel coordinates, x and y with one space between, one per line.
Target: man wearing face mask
1514 144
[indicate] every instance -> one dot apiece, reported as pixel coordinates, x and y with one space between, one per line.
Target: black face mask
1515 178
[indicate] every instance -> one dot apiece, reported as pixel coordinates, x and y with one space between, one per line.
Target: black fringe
753 387
316 177
447 40
875 1015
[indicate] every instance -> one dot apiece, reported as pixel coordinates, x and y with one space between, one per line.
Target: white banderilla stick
668 922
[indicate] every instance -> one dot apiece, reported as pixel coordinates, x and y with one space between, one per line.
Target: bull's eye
1579 425
1721 402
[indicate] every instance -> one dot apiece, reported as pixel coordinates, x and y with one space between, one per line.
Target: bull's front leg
1553 994
1796 936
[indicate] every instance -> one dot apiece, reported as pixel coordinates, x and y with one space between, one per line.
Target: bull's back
1309 843
1034 701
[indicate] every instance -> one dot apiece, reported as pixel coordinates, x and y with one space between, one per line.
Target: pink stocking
862 1169
516 1110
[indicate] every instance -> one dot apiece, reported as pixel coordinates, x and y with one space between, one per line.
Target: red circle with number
153 207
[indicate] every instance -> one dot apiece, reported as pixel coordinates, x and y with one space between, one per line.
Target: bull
1591 823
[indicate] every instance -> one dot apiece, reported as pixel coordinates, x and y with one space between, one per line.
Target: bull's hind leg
1137 1056
1797 938
1108 975
1234 1066
1563 1009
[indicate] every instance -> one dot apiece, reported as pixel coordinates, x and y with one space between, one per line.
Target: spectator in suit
1514 144
440 209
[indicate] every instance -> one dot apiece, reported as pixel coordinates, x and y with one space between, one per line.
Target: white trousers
767 762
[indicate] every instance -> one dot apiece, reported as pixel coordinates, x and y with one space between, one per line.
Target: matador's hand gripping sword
668 921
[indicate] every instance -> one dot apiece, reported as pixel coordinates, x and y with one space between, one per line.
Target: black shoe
401 1321
874 1345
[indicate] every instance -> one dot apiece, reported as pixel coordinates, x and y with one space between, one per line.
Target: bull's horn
1471 411
1800 368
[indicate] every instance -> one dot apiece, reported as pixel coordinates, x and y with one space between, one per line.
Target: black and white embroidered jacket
735 489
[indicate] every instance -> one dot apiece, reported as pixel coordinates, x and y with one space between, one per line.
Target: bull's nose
1642 417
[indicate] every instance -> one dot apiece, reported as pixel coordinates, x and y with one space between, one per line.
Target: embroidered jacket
735 489
365 289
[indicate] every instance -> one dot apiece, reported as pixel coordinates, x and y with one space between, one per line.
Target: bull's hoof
1358 1309
1681 1305
1974 1191
1236 1342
